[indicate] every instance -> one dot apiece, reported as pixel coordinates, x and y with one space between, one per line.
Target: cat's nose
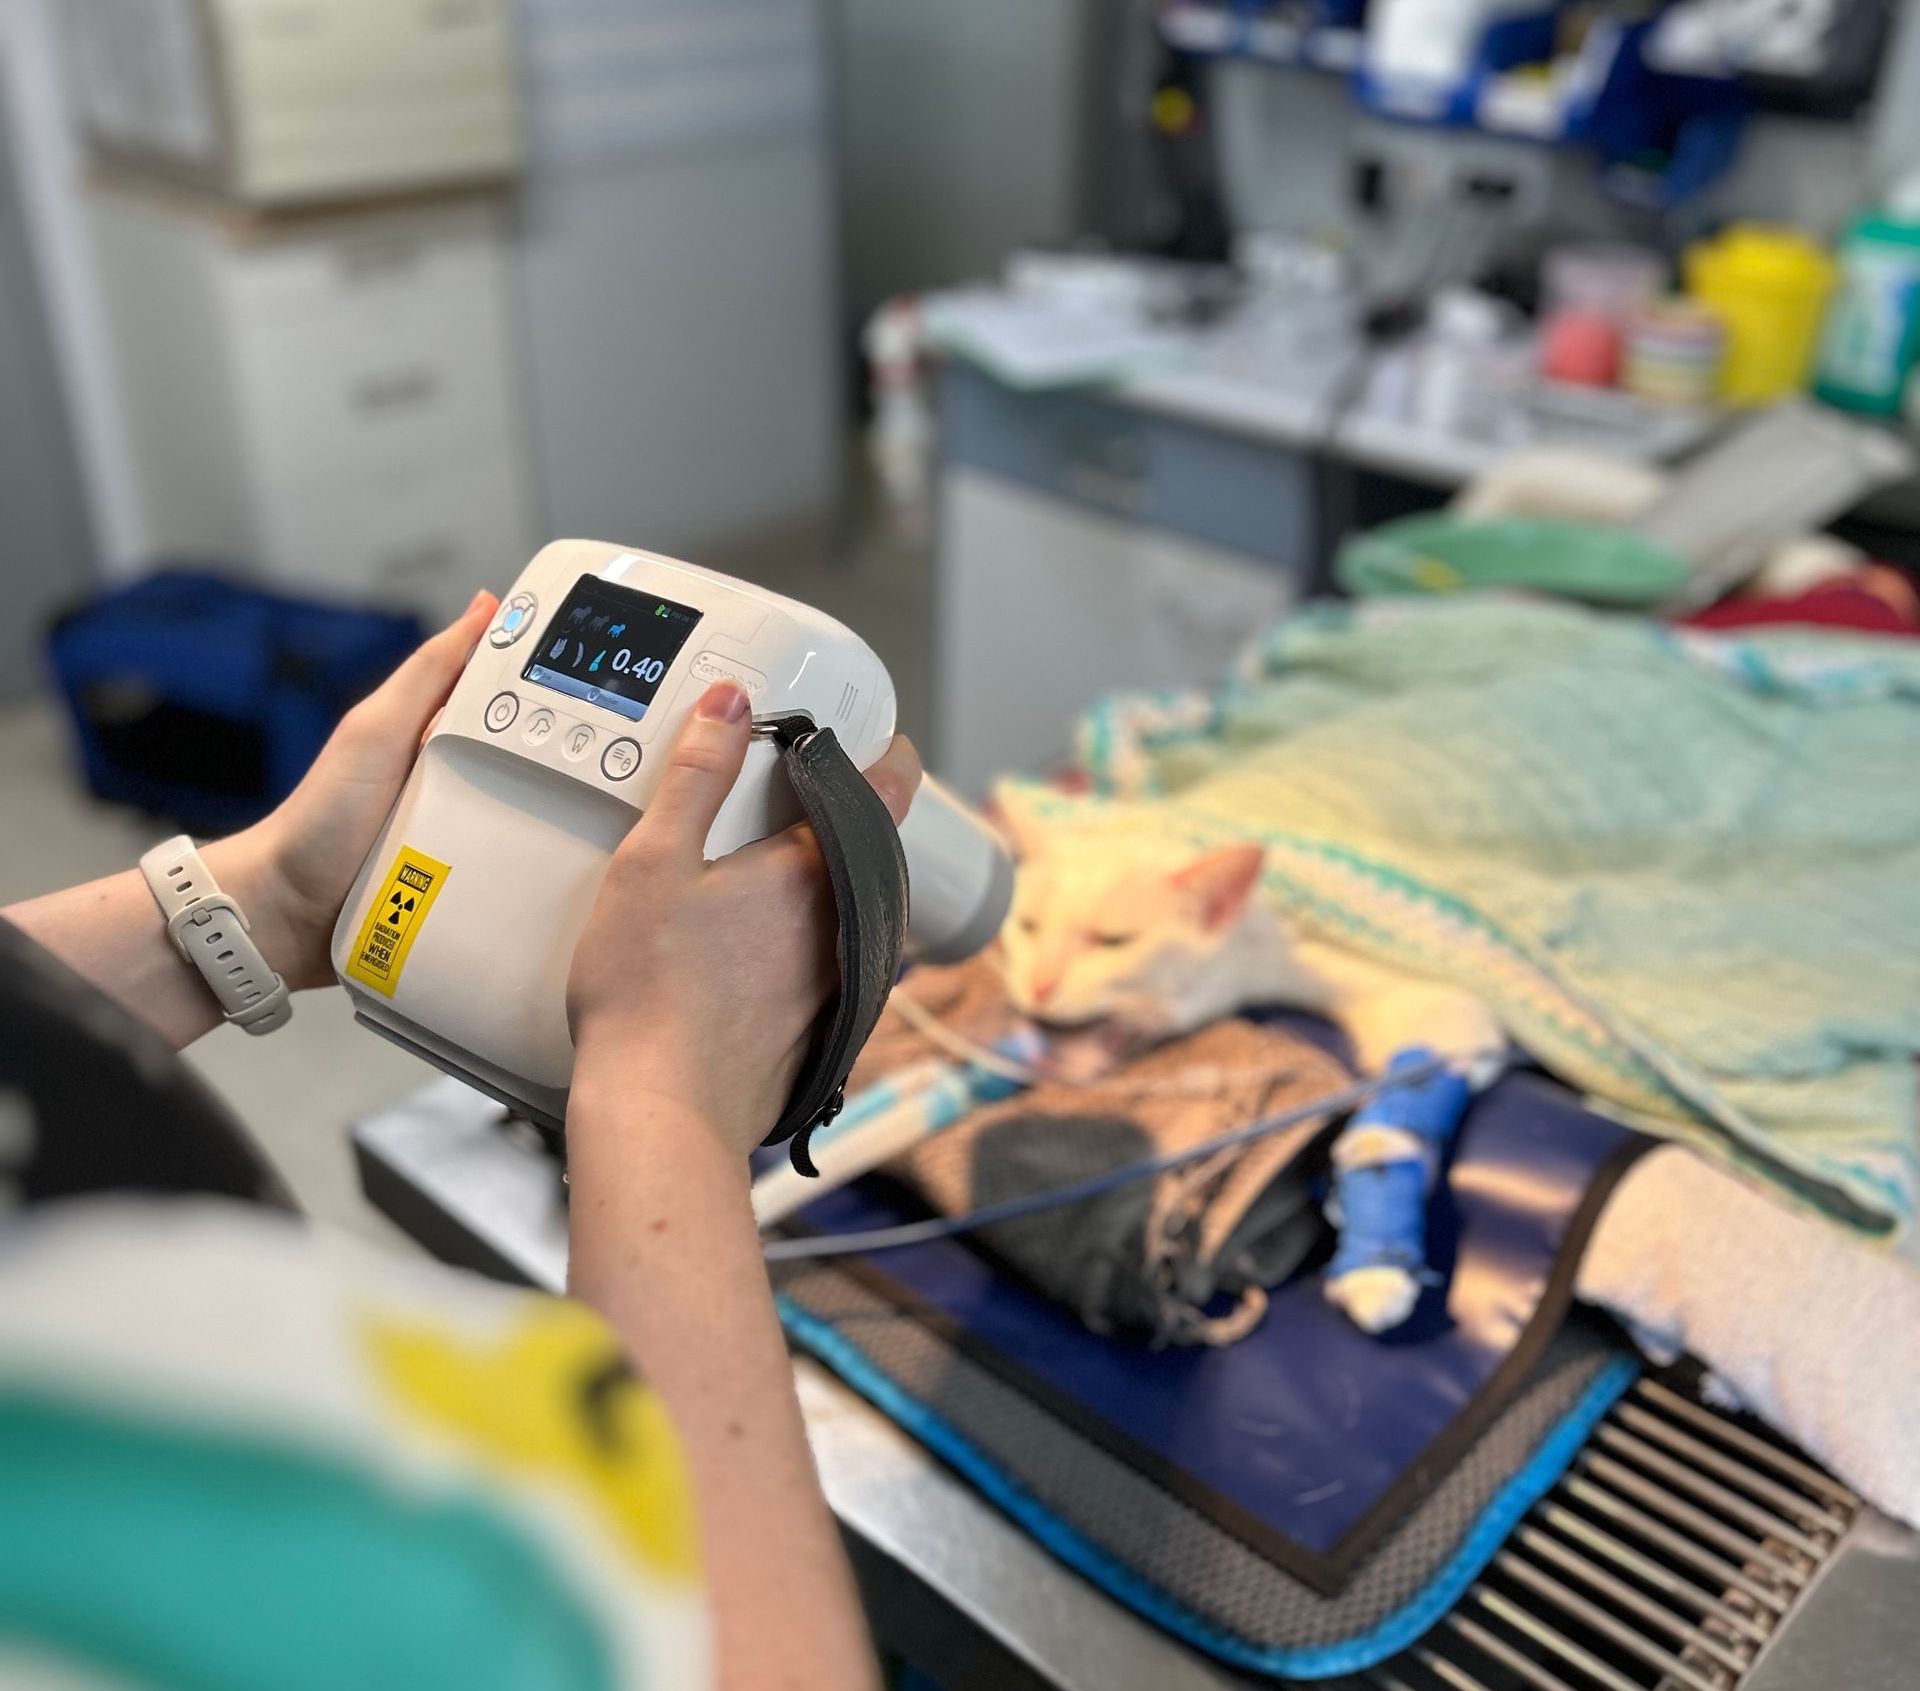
1043 989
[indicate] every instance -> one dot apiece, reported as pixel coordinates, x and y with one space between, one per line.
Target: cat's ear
1219 884
1018 813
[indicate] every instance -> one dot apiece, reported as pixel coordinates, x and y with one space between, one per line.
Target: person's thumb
702 767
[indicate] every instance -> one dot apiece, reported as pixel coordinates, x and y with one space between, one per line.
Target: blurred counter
1124 501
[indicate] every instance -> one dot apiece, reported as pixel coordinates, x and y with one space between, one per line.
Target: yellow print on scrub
554 1401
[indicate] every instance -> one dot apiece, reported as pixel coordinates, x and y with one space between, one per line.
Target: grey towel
1184 1257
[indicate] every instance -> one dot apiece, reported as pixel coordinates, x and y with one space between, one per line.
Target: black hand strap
868 871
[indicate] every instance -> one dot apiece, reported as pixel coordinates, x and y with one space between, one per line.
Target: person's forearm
110 932
665 1248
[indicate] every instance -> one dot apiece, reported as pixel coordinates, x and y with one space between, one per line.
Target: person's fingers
702 766
786 869
408 699
896 777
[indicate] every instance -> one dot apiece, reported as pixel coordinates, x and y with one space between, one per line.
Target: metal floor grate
1664 1560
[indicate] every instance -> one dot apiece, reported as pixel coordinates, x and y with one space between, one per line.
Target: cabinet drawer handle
424 558
376 260
392 389
452 14
1111 489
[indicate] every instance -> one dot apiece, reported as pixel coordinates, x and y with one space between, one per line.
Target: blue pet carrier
203 700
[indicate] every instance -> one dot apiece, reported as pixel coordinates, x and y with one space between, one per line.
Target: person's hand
696 984
292 872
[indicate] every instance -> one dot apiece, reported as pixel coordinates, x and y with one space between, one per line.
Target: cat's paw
1376 1300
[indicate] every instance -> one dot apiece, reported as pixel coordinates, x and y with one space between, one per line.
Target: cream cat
1147 940
1137 940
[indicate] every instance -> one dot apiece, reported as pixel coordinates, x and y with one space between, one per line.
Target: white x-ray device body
459 932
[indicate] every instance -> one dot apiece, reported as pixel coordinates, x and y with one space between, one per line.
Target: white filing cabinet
1087 548
284 102
332 401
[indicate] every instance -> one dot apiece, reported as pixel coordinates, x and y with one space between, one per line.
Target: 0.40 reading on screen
610 646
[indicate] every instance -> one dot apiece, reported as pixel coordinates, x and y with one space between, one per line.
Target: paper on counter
1040 343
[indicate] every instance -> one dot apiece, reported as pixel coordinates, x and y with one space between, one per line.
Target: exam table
954 1588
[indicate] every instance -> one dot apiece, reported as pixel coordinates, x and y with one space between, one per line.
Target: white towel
1815 1333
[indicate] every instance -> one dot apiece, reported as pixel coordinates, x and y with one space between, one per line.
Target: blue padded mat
1308 1440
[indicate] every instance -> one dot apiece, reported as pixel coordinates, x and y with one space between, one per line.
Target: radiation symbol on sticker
395 919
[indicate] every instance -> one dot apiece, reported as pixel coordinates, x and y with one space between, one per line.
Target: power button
501 712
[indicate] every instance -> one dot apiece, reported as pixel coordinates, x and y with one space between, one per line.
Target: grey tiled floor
299 1089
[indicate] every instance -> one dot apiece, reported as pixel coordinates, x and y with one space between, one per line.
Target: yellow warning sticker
397 916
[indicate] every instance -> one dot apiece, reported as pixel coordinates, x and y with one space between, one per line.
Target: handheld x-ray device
458 935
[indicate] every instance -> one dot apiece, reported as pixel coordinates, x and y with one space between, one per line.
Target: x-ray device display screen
611 646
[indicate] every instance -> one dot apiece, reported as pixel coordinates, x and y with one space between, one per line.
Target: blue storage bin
203 699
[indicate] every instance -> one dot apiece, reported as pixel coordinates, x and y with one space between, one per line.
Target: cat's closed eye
1113 940
1029 924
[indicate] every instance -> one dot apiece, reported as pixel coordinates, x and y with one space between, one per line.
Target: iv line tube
1033 1203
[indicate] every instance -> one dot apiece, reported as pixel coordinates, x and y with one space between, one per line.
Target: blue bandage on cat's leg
1385 1162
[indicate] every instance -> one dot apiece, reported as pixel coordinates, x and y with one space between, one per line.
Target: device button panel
558 740
517 617
620 759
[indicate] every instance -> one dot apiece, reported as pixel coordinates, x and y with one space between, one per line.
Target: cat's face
1126 931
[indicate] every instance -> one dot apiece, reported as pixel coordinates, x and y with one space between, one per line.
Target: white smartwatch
209 930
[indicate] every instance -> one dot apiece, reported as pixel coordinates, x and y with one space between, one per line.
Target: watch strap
210 931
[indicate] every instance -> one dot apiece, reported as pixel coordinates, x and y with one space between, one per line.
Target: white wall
47 155
1894 134
678 317
961 132
677 271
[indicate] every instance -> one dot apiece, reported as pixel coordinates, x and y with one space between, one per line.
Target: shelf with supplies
1509 91
1275 37
1622 81
1521 77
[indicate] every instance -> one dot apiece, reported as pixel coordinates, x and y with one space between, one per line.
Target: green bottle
1872 333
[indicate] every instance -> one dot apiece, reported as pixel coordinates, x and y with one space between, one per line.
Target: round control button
501 712
516 617
578 742
539 728
620 760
